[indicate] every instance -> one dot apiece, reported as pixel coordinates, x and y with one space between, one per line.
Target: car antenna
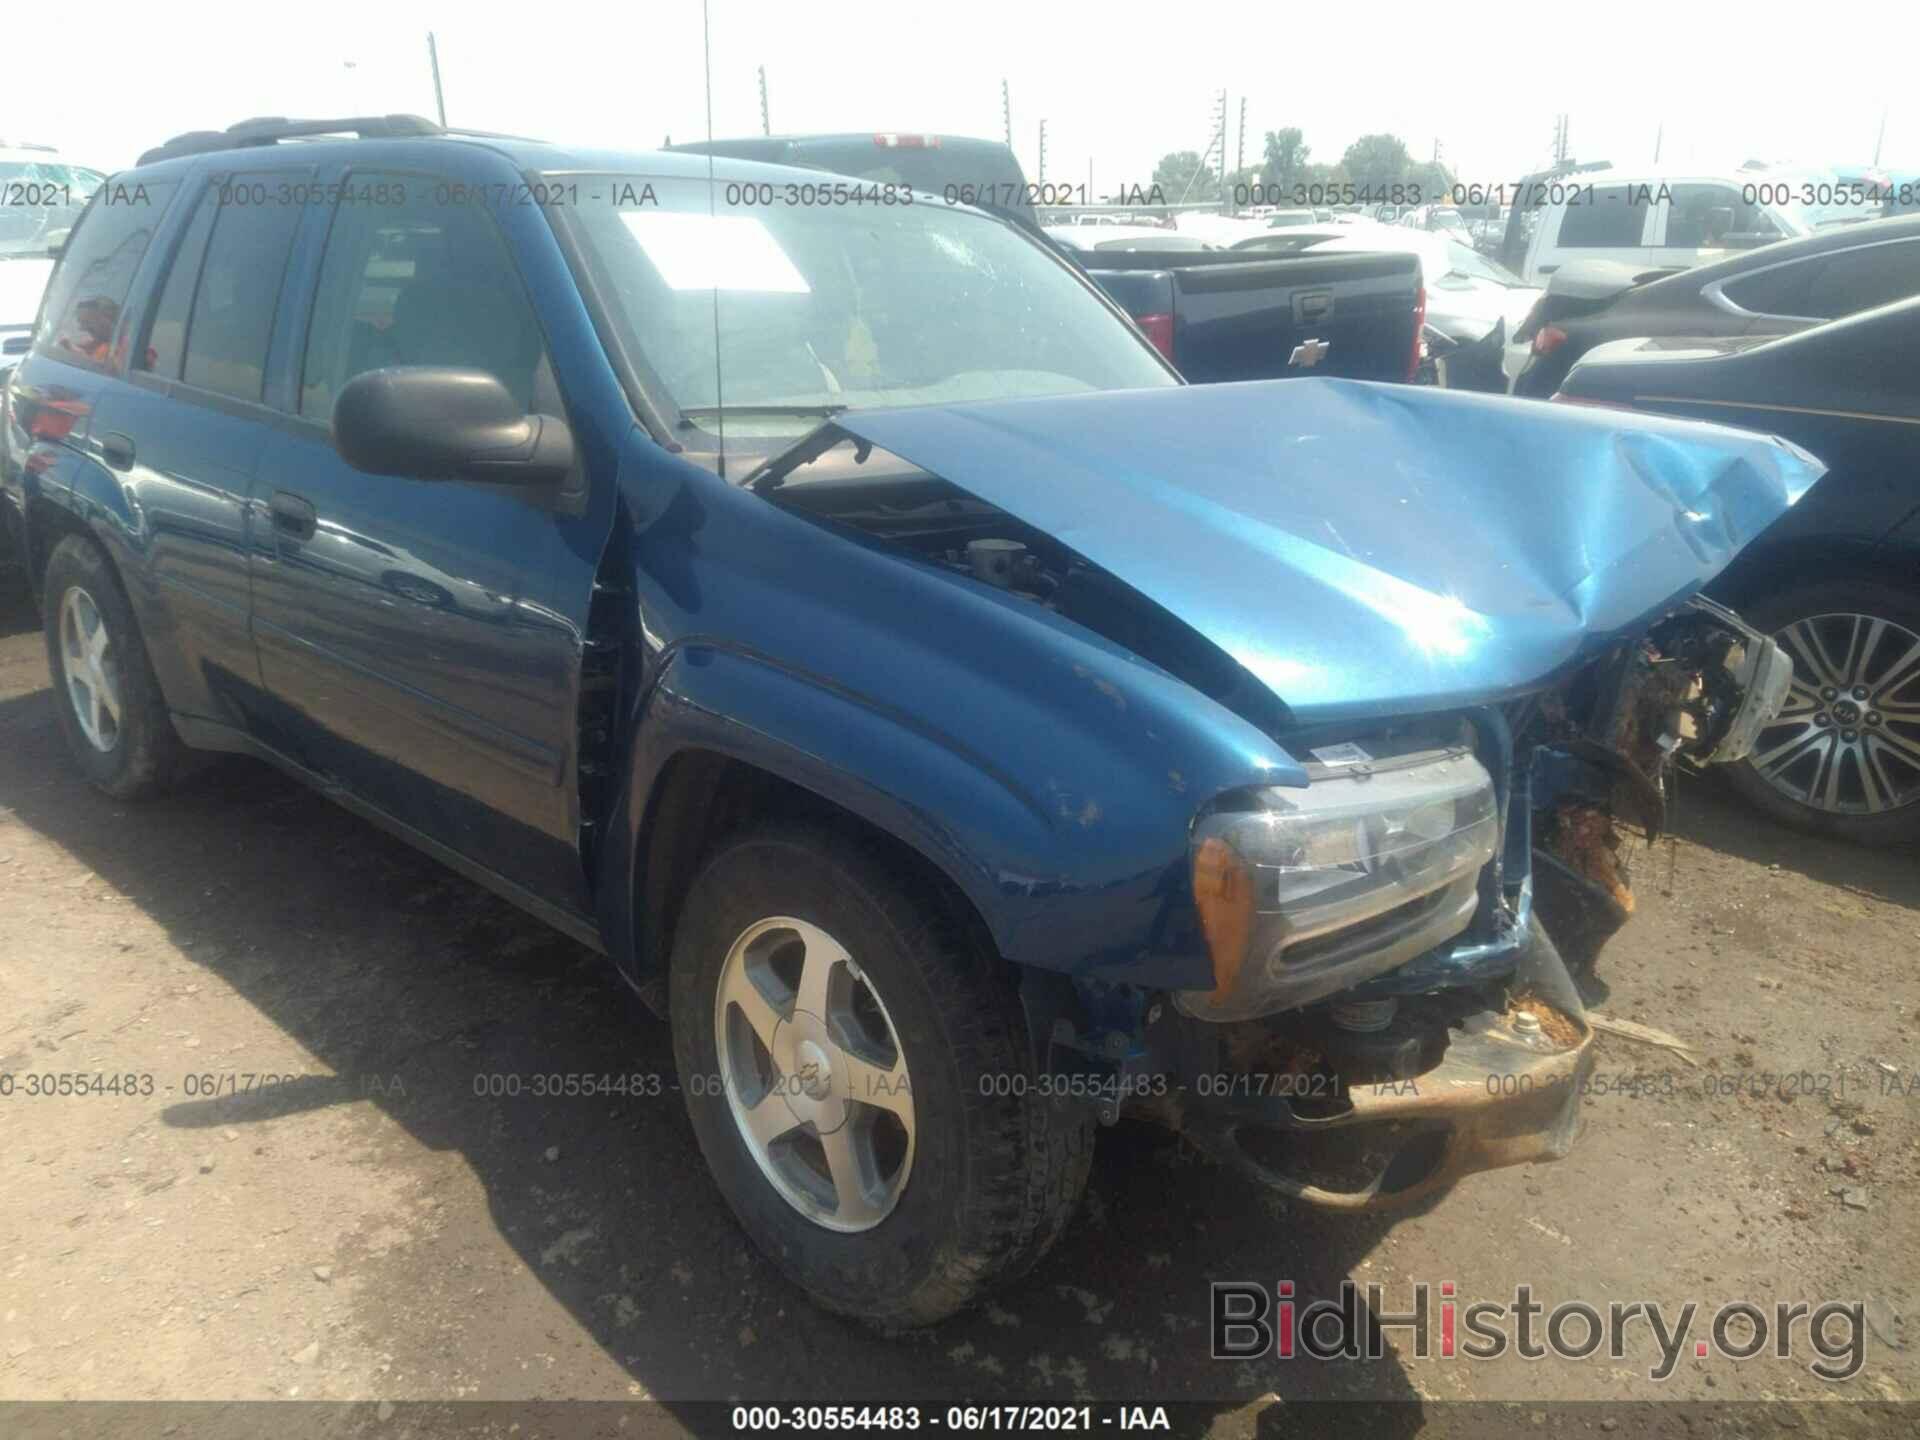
719 397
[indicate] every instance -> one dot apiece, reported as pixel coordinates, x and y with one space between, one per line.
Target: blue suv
821 599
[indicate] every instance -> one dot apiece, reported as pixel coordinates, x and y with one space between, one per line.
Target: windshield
42 200
776 314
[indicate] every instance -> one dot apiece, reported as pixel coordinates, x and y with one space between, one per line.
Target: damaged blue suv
821 599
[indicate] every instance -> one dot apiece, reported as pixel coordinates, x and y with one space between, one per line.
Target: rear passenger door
1599 222
188 428
413 634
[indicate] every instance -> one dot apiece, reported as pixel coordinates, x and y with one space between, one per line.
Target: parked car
1244 320
1836 580
1652 221
1089 239
1438 219
1778 290
964 730
1473 303
41 195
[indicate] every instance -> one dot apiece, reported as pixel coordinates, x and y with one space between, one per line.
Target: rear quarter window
81 310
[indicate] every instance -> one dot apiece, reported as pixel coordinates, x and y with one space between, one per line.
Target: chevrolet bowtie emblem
1308 353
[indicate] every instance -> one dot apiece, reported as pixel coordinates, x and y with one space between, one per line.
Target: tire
987 1181
142 755
1789 772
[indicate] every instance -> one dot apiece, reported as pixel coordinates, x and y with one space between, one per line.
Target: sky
1711 84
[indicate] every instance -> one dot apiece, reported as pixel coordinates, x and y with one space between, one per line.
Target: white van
1655 221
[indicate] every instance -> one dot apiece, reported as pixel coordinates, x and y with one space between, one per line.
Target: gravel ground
370 1228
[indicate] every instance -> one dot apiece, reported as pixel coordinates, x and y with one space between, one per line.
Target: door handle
293 516
1545 269
117 450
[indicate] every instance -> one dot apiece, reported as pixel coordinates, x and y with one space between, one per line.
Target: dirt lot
371 1229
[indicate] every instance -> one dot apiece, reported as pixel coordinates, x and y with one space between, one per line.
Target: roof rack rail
272 129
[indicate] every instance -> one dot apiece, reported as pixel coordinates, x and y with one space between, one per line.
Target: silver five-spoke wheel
814 1074
92 669
1848 740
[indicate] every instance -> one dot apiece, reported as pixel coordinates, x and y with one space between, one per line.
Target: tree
1286 157
1374 161
1181 174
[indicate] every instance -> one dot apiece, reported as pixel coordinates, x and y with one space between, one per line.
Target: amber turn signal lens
1223 894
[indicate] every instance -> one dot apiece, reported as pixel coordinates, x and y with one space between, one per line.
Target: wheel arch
1765 569
726 740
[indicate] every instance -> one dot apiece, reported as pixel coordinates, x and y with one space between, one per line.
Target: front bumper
1504 1091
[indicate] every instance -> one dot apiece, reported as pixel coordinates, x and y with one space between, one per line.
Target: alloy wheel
1848 739
92 669
814 1073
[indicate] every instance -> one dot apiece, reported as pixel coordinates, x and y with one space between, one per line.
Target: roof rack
272 129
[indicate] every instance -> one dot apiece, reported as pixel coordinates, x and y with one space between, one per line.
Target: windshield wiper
824 412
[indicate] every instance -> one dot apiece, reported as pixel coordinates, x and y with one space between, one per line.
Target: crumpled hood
1370 548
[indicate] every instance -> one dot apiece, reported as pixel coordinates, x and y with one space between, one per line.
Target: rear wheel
1843 758
111 710
856 1070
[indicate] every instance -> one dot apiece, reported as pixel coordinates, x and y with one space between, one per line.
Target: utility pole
1659 139
1042 177
1560 140
1218 146
766 127
1240 157
1881 140
1006 114
433 59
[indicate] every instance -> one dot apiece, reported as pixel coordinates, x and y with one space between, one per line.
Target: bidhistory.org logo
1250 1322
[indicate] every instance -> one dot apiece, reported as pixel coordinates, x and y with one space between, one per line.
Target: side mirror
431 422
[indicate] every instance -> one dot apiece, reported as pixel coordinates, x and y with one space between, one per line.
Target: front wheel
1843 757
855 1066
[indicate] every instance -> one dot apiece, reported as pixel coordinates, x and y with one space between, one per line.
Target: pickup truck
1216 315
966 733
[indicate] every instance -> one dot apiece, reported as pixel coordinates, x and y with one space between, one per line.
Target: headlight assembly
1304 893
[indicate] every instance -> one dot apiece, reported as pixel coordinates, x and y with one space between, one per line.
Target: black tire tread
1030 1157
150 757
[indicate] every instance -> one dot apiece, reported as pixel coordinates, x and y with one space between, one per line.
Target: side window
1603 218
1779 290
1862 279
1701 217
231 322
167 336
81 308
417 282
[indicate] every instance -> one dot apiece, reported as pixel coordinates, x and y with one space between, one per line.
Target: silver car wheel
1848 739
93 678
815 1076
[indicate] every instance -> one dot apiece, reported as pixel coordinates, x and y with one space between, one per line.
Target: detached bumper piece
1376 1104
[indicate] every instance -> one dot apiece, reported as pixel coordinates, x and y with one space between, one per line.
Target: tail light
907 142
1419 325
1547 339
1159 330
